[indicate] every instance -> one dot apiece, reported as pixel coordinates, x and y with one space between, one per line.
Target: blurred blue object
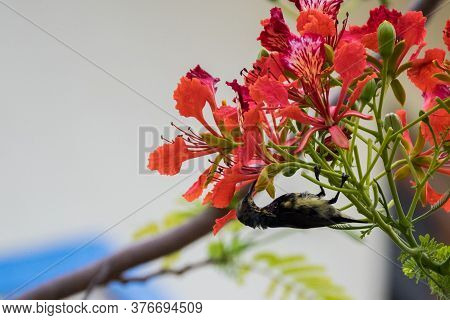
27 268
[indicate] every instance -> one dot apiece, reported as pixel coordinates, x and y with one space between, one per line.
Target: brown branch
113 266
176 272
127 258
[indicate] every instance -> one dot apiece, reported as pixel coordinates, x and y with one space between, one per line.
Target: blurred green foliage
233 252
439 252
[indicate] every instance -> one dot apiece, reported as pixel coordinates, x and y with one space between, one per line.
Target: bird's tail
343 219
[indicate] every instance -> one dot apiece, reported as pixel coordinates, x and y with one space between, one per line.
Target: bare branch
177 272
134 255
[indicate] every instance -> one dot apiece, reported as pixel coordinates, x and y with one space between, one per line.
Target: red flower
305 57
266 65
440 119
409 27
317 16
221 222
192 93
276 33
420 159
367 34
329 7
167 159
204 77
422 70
232 180
350 62
317 22
269 91
446 34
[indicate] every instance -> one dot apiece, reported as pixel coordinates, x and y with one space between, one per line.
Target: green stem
327 185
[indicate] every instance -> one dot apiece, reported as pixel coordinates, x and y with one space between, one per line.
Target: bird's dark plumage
292 210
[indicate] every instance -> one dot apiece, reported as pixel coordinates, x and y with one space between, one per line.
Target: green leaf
392 62
170 259
296 278
399 91
147 230
442 77
271 288
436 252
216 251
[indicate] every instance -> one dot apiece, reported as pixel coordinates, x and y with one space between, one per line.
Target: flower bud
391 120
263 53
368 91
386 39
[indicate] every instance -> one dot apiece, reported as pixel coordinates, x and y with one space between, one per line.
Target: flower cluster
283 108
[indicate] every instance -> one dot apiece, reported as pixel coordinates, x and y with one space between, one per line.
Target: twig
162 272
129 257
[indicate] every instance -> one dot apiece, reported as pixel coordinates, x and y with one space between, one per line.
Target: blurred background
70 147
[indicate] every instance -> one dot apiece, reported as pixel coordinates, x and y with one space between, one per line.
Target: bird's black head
248 213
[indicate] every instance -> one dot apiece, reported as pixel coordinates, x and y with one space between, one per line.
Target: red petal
264 66
422 70
380 14
191 96
350 61
276 34
197 188
402 115
248 149
359 88
306 138
367 34
223 193
251 119
440 119
411 28
228 115
243 94
203 76
329 7
338 137
221 222
297 114
354 113
270 91
167 159
315 21
446 35
432 197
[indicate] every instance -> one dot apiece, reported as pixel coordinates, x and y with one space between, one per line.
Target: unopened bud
391 120
368 92
263 53
386 39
